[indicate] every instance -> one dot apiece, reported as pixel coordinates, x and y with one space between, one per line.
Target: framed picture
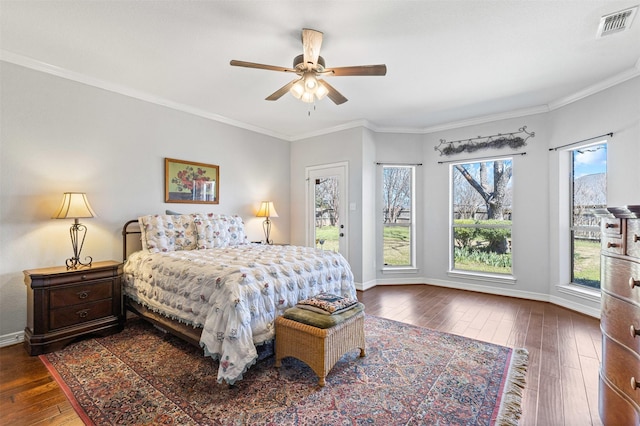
189 182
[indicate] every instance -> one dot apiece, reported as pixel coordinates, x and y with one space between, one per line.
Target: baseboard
11 339
500 291
366 285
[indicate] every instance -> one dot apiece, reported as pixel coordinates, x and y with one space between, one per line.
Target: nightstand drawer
84 293
76 277
79 314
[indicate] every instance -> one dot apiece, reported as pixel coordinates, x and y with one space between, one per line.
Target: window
482 214
398 196
588 190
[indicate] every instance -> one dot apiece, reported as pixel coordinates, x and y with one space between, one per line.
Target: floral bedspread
234 293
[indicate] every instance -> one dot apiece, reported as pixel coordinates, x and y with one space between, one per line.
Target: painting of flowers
189 182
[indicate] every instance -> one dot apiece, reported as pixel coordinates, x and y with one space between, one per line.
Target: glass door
326 217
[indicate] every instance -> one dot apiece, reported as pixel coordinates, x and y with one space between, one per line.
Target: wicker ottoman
319 348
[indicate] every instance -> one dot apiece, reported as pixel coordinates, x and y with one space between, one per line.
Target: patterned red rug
410 376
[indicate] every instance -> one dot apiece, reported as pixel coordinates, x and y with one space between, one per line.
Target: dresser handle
636 238
612 245
633 283
610 225
83 294
634 385
83 313
634 331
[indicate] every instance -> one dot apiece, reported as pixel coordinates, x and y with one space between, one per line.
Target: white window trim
476 275
485 277
412 268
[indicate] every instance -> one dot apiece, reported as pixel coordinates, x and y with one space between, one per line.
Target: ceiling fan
309 67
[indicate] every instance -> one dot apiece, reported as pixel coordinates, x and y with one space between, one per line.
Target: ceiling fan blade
358 70
311 42
260 66
333 94
281 91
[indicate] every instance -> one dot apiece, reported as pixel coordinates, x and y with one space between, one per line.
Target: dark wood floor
564 354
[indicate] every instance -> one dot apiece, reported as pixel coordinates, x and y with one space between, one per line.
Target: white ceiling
449 62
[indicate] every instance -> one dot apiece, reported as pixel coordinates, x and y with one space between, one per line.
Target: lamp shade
74 205
267 210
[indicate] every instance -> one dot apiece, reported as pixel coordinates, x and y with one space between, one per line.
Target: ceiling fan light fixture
297 90
310 82
322 91
307 97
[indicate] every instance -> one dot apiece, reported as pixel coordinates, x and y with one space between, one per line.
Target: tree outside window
482 215
398 216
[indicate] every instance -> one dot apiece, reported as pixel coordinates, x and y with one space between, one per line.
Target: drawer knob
83 294
633 283
612 245
634 385
83 313
634 331
84 277
610 225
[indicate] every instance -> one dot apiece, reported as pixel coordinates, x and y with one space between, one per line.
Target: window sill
493 278
583 293
400 270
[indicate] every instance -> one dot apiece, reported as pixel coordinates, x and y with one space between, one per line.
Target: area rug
410 376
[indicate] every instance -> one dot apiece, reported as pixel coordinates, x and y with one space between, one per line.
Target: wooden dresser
65 304
619 399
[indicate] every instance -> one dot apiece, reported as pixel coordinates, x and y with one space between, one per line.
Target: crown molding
598 87
37 65
44 67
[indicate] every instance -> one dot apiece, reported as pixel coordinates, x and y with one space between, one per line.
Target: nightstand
65 304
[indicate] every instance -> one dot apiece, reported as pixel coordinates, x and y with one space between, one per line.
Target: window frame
506 278
412 228
572 228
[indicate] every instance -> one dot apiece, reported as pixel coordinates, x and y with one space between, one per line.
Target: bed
198 277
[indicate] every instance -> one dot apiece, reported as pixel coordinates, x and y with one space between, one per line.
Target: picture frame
191 182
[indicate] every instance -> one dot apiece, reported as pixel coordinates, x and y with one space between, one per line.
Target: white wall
58 135
343 146
540 259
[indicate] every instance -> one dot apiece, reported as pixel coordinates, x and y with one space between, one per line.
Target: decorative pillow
162 233
327 303
218 230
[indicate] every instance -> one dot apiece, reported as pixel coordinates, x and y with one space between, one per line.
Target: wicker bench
319 348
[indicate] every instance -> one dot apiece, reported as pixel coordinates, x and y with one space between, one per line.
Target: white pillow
219 230
162 233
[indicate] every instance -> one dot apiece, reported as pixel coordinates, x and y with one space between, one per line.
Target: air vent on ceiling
616 22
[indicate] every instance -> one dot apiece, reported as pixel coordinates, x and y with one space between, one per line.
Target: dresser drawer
616 410
82 293
621 277
612 244
79 314
617 319
611 226
620 365
633 238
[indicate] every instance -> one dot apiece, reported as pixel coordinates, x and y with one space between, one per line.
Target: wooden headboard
129 242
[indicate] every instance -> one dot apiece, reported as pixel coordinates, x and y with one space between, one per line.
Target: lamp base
266 226
75 262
